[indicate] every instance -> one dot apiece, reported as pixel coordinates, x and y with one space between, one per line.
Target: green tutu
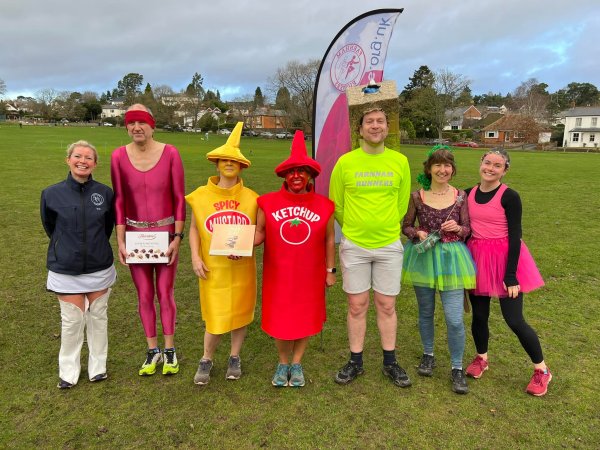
445 267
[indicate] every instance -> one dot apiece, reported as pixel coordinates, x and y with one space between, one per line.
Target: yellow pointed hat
231 149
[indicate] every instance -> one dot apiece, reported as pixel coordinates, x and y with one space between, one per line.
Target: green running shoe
170 364
153 359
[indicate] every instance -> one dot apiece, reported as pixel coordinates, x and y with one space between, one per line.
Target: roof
508 122
585 130
581 111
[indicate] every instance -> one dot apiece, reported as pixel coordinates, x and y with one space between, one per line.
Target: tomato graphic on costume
293 297
295 231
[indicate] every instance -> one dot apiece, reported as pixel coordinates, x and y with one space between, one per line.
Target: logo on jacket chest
97 199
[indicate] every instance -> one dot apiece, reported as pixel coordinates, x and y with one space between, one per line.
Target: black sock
356 358
389 357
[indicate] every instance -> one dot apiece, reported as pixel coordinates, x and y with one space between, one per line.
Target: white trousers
73 322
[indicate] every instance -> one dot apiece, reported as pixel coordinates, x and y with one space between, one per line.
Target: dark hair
499 151
440 156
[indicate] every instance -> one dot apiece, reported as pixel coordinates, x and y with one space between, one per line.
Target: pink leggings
143 279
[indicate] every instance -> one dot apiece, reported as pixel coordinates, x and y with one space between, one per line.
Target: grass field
561 211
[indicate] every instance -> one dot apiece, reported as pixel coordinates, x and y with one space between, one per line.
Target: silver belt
143 224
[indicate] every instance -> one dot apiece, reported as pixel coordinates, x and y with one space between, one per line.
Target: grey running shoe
234 368
99 377
282 375
459 381
348 373
296 376
425 368
397 374
202 376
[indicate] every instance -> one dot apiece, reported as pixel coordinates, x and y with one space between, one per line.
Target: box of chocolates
147 247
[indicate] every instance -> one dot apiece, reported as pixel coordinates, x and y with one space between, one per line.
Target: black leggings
512 311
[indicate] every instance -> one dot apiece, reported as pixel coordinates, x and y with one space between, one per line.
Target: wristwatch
174 235
331 270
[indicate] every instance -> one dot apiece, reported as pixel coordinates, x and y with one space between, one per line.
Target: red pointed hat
298 157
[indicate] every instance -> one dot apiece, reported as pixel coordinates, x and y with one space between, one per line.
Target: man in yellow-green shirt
370 187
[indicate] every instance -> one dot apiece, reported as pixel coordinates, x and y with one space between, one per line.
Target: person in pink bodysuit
148 181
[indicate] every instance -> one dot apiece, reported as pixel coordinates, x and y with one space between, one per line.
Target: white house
582 126
112 111
455 117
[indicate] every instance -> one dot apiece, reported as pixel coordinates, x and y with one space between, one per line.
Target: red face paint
297 179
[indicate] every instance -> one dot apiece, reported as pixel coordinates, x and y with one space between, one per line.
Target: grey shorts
363 268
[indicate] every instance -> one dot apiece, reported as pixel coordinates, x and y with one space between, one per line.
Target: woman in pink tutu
505 268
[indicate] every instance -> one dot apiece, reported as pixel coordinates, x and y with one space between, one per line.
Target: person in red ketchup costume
296 226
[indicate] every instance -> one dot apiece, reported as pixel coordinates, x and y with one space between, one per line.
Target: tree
259 99
489 99
465 98
531 99
130 88
299 79
407 129
165 106
45 103
582 94
2 87
194 97
422 78
282 100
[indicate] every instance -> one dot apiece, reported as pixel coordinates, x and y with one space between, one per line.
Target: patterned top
431 219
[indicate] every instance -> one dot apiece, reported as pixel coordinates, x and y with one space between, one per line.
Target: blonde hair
82 143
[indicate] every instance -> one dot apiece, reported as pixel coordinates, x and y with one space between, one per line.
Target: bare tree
299 79
45 102
532 99
2 87
448 87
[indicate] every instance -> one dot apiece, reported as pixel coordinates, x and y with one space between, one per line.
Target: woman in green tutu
436 258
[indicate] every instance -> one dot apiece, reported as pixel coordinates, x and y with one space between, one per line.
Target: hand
450 226
200 268
422 235
234 257
173 250
513 291
330 279
122 254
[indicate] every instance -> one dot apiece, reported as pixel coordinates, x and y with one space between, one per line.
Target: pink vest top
488 221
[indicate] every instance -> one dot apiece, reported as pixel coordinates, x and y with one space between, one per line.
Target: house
267 119
112 111
581 126
456 118
513 129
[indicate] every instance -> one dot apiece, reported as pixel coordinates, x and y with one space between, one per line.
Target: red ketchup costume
156 196
294 265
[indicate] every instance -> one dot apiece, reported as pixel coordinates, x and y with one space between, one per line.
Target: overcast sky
237 45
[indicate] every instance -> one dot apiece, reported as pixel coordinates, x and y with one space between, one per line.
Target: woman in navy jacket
78 217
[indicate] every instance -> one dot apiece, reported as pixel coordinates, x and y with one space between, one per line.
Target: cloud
238 45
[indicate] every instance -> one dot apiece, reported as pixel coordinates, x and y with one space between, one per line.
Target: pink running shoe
538 385
477 367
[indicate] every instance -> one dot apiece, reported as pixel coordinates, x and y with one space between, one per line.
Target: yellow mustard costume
228 295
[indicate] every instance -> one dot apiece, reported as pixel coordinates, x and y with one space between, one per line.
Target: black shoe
459 382
397 374
425 368
348 373
99 377
62 384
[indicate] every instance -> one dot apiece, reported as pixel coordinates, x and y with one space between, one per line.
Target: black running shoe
459 381
348 373
425 368
397 374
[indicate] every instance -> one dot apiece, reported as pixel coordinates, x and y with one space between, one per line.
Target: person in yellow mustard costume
227 284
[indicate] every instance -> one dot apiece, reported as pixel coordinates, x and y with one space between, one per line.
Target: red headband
139 116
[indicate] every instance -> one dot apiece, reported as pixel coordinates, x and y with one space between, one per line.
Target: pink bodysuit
150 196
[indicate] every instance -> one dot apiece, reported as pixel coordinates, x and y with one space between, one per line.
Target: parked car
267 135
437 142
107 124
284 135
466 144
224 131
250 133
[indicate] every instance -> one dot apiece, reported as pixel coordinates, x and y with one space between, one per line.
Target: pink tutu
490 256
